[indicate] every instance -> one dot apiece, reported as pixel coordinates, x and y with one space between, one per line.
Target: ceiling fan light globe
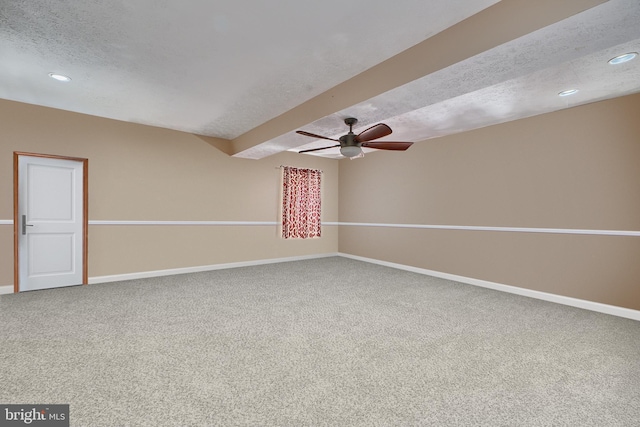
350 151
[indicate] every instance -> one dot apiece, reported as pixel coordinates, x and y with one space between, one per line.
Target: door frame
85 213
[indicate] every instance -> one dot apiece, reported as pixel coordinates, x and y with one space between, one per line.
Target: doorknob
25 225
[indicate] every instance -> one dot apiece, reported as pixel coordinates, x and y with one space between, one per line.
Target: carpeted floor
331 341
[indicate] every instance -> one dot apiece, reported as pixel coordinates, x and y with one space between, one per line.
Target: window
301 203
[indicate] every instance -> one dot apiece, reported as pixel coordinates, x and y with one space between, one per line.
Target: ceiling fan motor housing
348 140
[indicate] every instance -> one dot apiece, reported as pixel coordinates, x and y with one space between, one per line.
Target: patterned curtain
300 203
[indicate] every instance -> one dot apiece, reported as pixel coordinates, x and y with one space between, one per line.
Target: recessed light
568 92
60 77
623 58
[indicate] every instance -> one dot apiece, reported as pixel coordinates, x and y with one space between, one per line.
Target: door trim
85 213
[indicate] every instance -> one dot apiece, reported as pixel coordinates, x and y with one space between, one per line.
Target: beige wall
573 169
144 173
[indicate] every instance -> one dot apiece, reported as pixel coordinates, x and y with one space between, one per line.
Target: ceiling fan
350 144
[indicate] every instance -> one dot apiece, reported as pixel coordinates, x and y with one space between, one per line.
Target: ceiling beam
505 21
221 144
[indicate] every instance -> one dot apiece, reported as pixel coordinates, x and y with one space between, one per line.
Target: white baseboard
559 299
170 272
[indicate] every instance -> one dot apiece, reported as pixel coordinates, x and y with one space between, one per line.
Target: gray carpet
330 341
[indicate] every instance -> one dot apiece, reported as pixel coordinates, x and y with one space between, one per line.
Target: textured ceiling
251 73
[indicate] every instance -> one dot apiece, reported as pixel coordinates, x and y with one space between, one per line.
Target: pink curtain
300 203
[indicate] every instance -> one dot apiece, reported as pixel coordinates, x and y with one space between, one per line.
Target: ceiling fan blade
374 132
318 149
388 145
313 135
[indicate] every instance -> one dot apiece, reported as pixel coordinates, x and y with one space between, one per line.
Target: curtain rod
283 166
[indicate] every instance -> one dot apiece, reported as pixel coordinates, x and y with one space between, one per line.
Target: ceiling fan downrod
350 121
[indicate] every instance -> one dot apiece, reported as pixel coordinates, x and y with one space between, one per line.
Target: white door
50 222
